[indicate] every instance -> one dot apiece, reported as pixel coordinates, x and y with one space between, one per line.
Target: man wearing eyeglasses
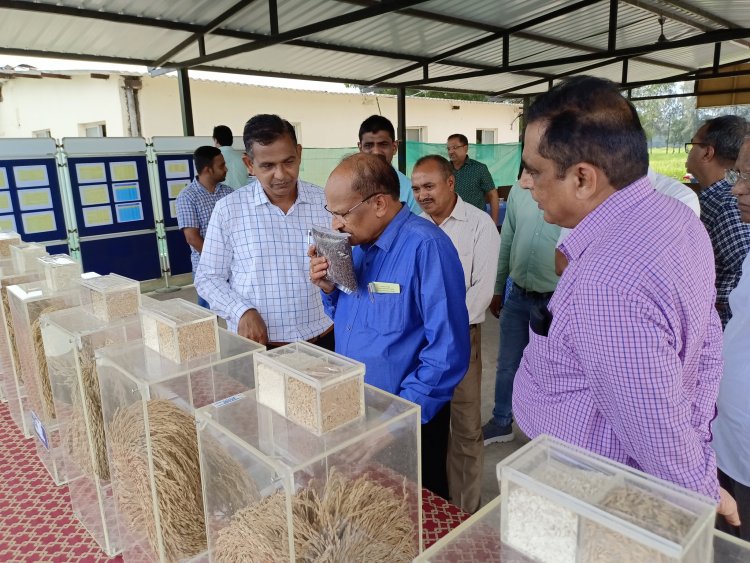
253 268
408 321
711 151
473 179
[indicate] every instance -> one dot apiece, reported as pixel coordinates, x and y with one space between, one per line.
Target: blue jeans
514 336
202 302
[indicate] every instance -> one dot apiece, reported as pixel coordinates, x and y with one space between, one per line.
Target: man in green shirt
473 179
527 256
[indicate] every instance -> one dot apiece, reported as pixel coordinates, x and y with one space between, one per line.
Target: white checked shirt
255 257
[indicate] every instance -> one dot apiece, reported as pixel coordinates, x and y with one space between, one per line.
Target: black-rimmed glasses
342 215
454 147
733 176
689 145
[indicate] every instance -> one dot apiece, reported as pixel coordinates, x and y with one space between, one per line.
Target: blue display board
111 194
133 256
30 201
175 172
179 252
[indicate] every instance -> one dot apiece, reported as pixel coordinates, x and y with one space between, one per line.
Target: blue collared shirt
194 207
255 257
415 343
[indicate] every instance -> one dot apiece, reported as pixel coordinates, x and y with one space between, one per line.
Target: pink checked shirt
631 363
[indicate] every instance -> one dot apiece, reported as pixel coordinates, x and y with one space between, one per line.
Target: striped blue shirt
255 257
194 207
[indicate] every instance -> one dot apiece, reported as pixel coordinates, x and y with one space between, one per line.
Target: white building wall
60 105
324 119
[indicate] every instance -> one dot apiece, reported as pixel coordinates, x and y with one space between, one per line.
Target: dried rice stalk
353 520
176 474
45 386
11 332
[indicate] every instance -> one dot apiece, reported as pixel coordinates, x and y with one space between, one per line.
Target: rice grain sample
335 246
111 297
178 330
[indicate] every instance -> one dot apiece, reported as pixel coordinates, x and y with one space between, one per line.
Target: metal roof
507 48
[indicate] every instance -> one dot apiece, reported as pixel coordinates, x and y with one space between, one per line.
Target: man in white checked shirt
254 266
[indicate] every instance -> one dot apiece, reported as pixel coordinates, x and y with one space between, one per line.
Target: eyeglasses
733 176
689 146
342 215
454 147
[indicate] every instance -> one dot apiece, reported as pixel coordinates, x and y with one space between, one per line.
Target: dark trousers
435 452
741 494
327 341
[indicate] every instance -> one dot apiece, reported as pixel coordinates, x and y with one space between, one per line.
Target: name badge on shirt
383 287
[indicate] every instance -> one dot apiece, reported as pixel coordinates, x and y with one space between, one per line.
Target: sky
60 64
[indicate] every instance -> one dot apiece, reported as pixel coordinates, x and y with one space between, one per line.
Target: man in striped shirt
626 360
254 268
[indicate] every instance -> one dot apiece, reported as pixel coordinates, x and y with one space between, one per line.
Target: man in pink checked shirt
626 361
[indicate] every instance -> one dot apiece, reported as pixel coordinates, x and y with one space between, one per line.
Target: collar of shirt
260 197
590 229
386 238
458 213
197 184
467 162
714 191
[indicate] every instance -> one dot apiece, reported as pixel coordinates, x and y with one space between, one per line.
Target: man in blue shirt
196 202
377 136
408 321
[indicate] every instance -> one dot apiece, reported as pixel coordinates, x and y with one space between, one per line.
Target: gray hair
726 134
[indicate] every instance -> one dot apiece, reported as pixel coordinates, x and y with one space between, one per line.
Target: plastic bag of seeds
336 248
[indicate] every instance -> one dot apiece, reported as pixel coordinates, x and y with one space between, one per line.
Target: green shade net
502 160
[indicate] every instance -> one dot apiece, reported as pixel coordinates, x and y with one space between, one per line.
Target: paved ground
490 340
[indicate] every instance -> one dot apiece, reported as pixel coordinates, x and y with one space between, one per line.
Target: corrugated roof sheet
386 46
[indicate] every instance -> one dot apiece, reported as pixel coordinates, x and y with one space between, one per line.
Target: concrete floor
490 340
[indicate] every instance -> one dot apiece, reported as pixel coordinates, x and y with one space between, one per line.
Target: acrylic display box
61 272
563 504
28 302
25 256
179 330
148 403
275 491
311 386
112 297
478 540
8 239
71 337
13 386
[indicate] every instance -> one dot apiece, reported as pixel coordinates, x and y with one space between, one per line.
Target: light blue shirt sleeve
406 193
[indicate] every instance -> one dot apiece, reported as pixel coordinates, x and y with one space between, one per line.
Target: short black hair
376 123
726 134
372 175
223 135
588 120
264 129
441 161
203 157
461 138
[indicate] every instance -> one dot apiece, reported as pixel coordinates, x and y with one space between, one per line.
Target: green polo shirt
527 245
473 180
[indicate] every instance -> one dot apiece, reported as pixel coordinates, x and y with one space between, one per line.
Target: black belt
532 294
313 340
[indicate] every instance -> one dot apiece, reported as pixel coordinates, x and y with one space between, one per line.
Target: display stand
112 201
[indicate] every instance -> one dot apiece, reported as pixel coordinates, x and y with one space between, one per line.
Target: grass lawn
669 163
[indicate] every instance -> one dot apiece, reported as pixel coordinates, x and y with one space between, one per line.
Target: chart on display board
30 201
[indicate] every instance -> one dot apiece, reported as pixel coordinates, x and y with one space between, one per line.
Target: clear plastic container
478 540
61 272
563 504
8 239
179 330
311 386
71 337
25 256
28 302
147 404
111 297
274 491
15 390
